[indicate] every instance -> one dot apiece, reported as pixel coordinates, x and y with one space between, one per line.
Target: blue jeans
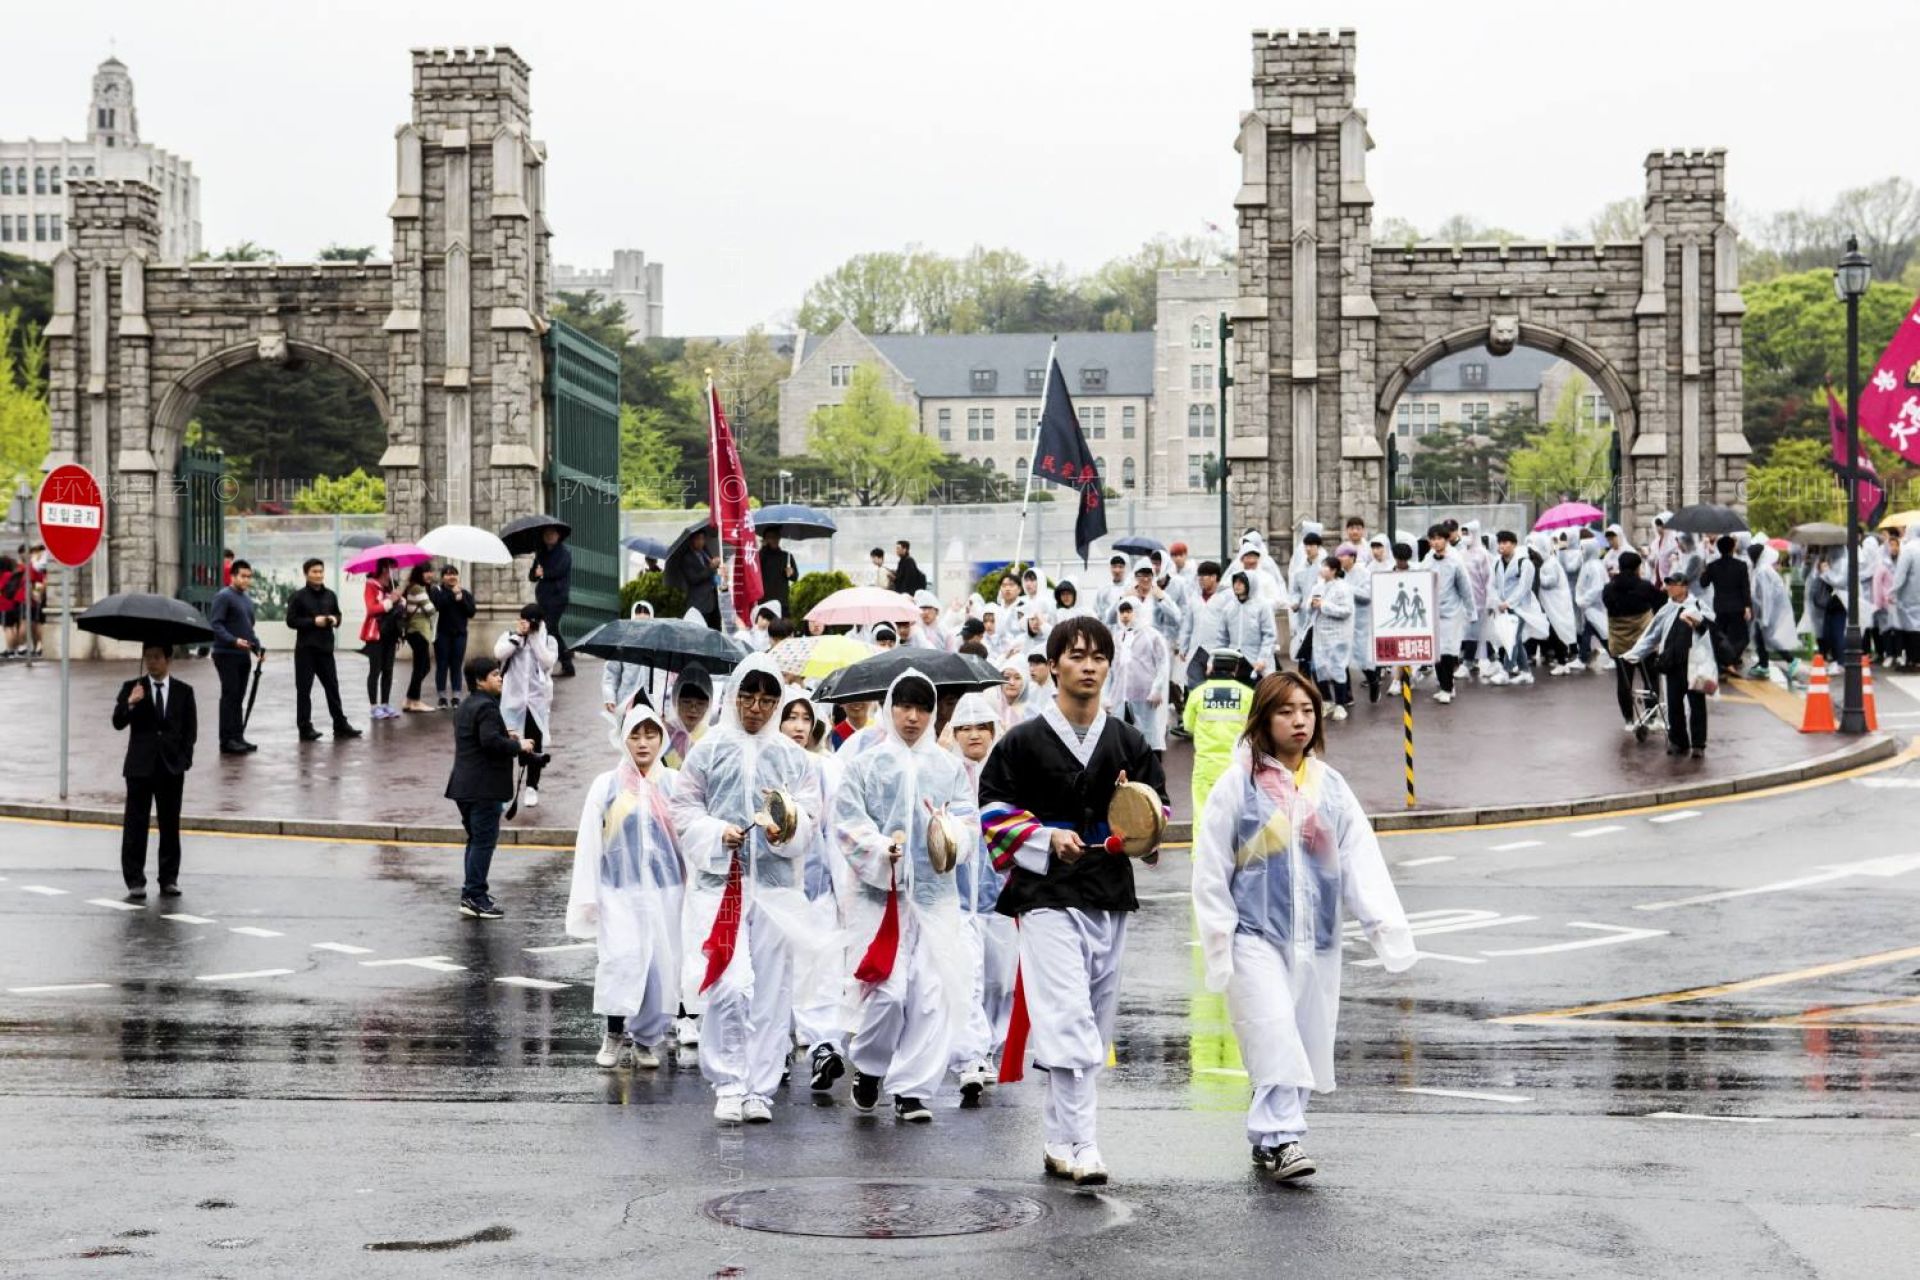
481 818
449 651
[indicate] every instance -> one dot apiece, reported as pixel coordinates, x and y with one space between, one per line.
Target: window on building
73 171
839 375
1207 421
20 227
6 182
973 424
1100 465
1596 410
1036 380
985 462
1196 471
984 381
1475 414
20 179
1127 422
6 230
946 424
40 180
1022 422
1473 375
1094 420
1193 422
53 180
53 226
1415 418
89 171
100 117
1200 336
39 226
1200 377
1020 468
986 424
1128 473
110 113
1093 379
109 141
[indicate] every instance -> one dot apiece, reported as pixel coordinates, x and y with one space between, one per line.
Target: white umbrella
464 542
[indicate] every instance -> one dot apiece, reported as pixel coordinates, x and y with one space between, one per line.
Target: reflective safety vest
1216 716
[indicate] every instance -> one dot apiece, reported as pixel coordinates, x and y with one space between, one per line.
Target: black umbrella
666 644
361 541
679 545
527 534
146 619
1138 544
1706 518
644 546
794 522
869 678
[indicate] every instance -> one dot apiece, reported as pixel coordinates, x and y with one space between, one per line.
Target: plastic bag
1506 631
1703 673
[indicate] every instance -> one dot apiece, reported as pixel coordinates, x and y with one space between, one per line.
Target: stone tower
111 121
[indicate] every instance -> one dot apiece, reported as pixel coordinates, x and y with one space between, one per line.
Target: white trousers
1070 973
1277 1115
993 949
746 1031
904 1035
817 1013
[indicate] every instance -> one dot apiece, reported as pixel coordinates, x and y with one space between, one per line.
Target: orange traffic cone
1819 713
1866 693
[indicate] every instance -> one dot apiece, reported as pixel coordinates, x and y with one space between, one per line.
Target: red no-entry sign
73 514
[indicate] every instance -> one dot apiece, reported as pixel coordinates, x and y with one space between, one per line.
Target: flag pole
1026 497
713 507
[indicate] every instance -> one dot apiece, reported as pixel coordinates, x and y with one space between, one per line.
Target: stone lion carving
1502 333
272 348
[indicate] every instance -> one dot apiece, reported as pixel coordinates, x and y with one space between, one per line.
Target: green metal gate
583 469
202 531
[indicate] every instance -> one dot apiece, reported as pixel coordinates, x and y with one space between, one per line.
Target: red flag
725 934
1873 497
1890 400
1013 1057
732 516
877 964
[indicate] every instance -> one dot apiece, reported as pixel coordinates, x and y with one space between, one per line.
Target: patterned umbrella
813 657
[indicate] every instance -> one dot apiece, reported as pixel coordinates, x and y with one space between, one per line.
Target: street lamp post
1850 280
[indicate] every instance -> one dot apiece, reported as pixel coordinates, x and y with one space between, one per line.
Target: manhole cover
875 1210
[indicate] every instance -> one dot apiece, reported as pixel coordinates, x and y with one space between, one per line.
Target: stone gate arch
1330 327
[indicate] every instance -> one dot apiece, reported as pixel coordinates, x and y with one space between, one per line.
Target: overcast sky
752 147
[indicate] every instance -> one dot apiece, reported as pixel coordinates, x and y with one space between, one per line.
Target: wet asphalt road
234 1098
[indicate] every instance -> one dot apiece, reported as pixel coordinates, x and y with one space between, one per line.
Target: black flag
1061 457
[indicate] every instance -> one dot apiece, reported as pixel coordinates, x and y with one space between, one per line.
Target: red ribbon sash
877 964
718 948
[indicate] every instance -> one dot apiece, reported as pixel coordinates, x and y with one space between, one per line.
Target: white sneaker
686 1032
1558 669
1525 677
976 1072
1089 1170
1443 697
530 798
756 1111
1057 1160
730 1109
612 1050
1499 677
1339 713
1603 663
1393 690
1574 665
645 1057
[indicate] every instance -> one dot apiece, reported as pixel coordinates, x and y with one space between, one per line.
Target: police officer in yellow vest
1216 716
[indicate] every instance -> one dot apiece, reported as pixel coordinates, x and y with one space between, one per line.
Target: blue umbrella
793 521
1138 545
643 546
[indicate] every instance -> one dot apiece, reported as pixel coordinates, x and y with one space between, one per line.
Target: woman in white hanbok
1282 847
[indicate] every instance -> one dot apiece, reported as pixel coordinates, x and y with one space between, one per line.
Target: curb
1869 750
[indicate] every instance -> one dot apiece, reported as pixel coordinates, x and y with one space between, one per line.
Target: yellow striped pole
1406 722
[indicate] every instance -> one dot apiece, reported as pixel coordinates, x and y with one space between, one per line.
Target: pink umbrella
863 606
403 554
1569 514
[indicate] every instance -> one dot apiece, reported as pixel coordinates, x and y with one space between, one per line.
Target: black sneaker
911 1110
309 734
1290 1162
480 908
136 895
828 1066
443 704
345 730
970 1094
1266 1159
866 1091
169 890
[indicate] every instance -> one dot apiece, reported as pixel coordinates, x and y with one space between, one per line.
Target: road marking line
439 964
1593 831
538 984
255 931
577 946
1882 867
1688 1115
1681 816
1241 1074
1687 1026
237 977
185 918
1491 920
1517 844
1615 933
1820 1015
344 948
1475 1095
60 986
1720 989
1375 962
1426 862
44 890
115 904
1886 782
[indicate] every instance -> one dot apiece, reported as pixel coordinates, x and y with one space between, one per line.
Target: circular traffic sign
72 514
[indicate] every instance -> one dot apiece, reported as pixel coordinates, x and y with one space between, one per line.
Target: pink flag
732 515
1890 401
1873 497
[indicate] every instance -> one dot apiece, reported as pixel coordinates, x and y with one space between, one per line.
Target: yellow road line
1719 989
1670 1026
1823 1017
1906 755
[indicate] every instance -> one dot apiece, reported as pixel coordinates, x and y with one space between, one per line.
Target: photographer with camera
482 779
527 655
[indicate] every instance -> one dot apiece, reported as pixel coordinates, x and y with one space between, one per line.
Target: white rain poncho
994 939
1553 590
890 791
1245 626
627 889
1773 608
1906 582
526 682
1010 711
1360 582
1614 553
722 784
827 881
1303 582
1331 626
1590 583
1137 681
1512 591
1274 863
619 681
1475 563
1454 610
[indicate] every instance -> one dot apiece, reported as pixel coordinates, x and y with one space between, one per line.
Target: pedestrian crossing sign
1403 618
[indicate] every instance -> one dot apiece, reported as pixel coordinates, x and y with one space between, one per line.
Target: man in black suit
158 713
314 614
552 578
482 779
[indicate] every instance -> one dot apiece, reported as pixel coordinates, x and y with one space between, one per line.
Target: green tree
649 466
869 290
1569 459
1463 460
245 251
281 425
1795 338
353 494
869 442
26 286
1794 486
747 372
346 253
26 430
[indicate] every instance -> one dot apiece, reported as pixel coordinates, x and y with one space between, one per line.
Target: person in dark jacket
552 575
907 576
314 614
778 570
1630 601
692 569
1732 587
454 605
162 725
482 779
235 649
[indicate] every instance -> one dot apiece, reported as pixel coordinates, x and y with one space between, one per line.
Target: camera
539 759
